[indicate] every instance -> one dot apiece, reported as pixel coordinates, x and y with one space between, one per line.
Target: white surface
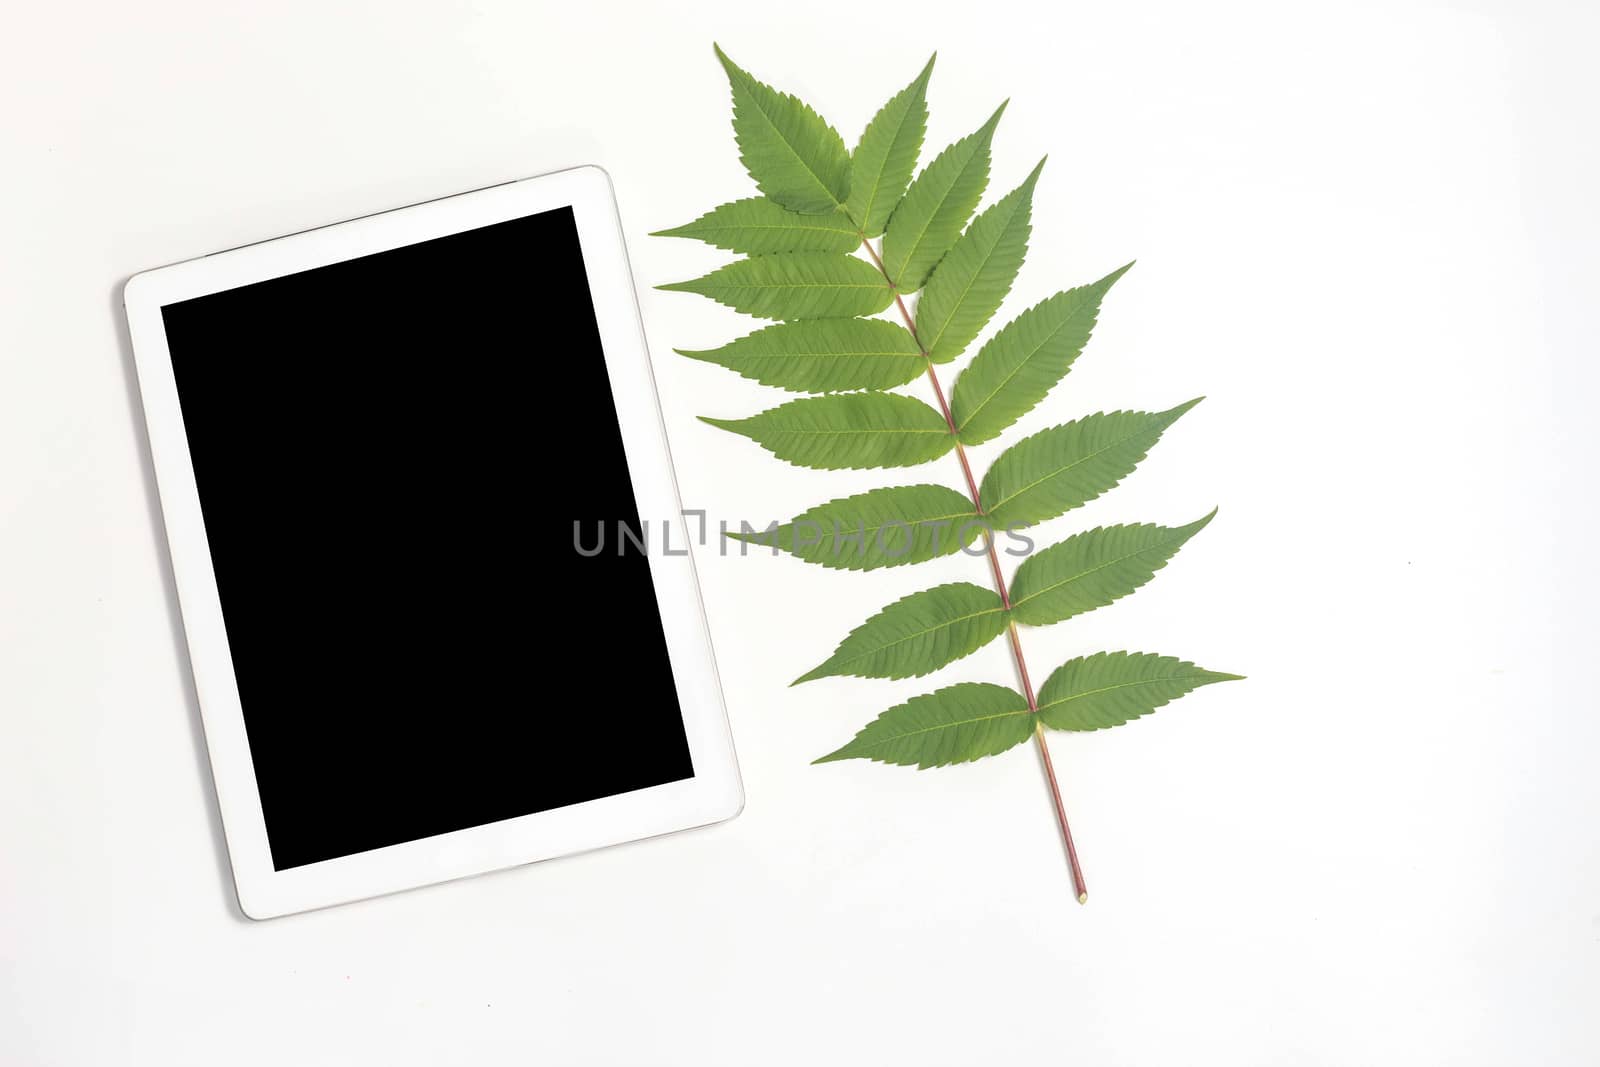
1369 235
710 795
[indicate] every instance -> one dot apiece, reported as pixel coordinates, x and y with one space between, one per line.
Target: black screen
391 453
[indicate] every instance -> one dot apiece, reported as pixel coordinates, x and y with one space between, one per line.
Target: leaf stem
1078 884
1061 809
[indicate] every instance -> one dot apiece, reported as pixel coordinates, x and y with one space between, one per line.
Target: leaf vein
1112 688
943 726
997 505
1097 569
947 624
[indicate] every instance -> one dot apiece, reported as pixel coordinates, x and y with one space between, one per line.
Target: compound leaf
758 226
1025 360
795 157
848 430
1110 688
879 528
887 154
939 202
1091 569
957 724
1058 469
823 355
819 203
976 274
918 634
796 285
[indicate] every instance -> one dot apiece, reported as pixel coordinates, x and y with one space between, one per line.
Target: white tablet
387 451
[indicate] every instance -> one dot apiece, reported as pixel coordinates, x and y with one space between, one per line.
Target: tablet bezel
713 794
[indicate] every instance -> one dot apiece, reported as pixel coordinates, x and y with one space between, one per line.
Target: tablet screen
393 456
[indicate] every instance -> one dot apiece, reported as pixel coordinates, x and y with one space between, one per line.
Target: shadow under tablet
391 453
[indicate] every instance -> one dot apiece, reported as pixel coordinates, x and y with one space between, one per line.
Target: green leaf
938 204
974 277
918 634
1025 360
823 355
1091 569
758 226
794 156
957 724
887 154
799 285
855 430
879 528
1111 688
1058 469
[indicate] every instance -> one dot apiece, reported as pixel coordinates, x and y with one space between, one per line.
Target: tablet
387 451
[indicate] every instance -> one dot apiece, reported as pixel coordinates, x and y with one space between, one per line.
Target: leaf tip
734 71
994 120
833 757
1174 414
820 671
1111 279
731 425
1201 523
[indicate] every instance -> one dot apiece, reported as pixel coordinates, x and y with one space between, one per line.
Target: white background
1369 235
